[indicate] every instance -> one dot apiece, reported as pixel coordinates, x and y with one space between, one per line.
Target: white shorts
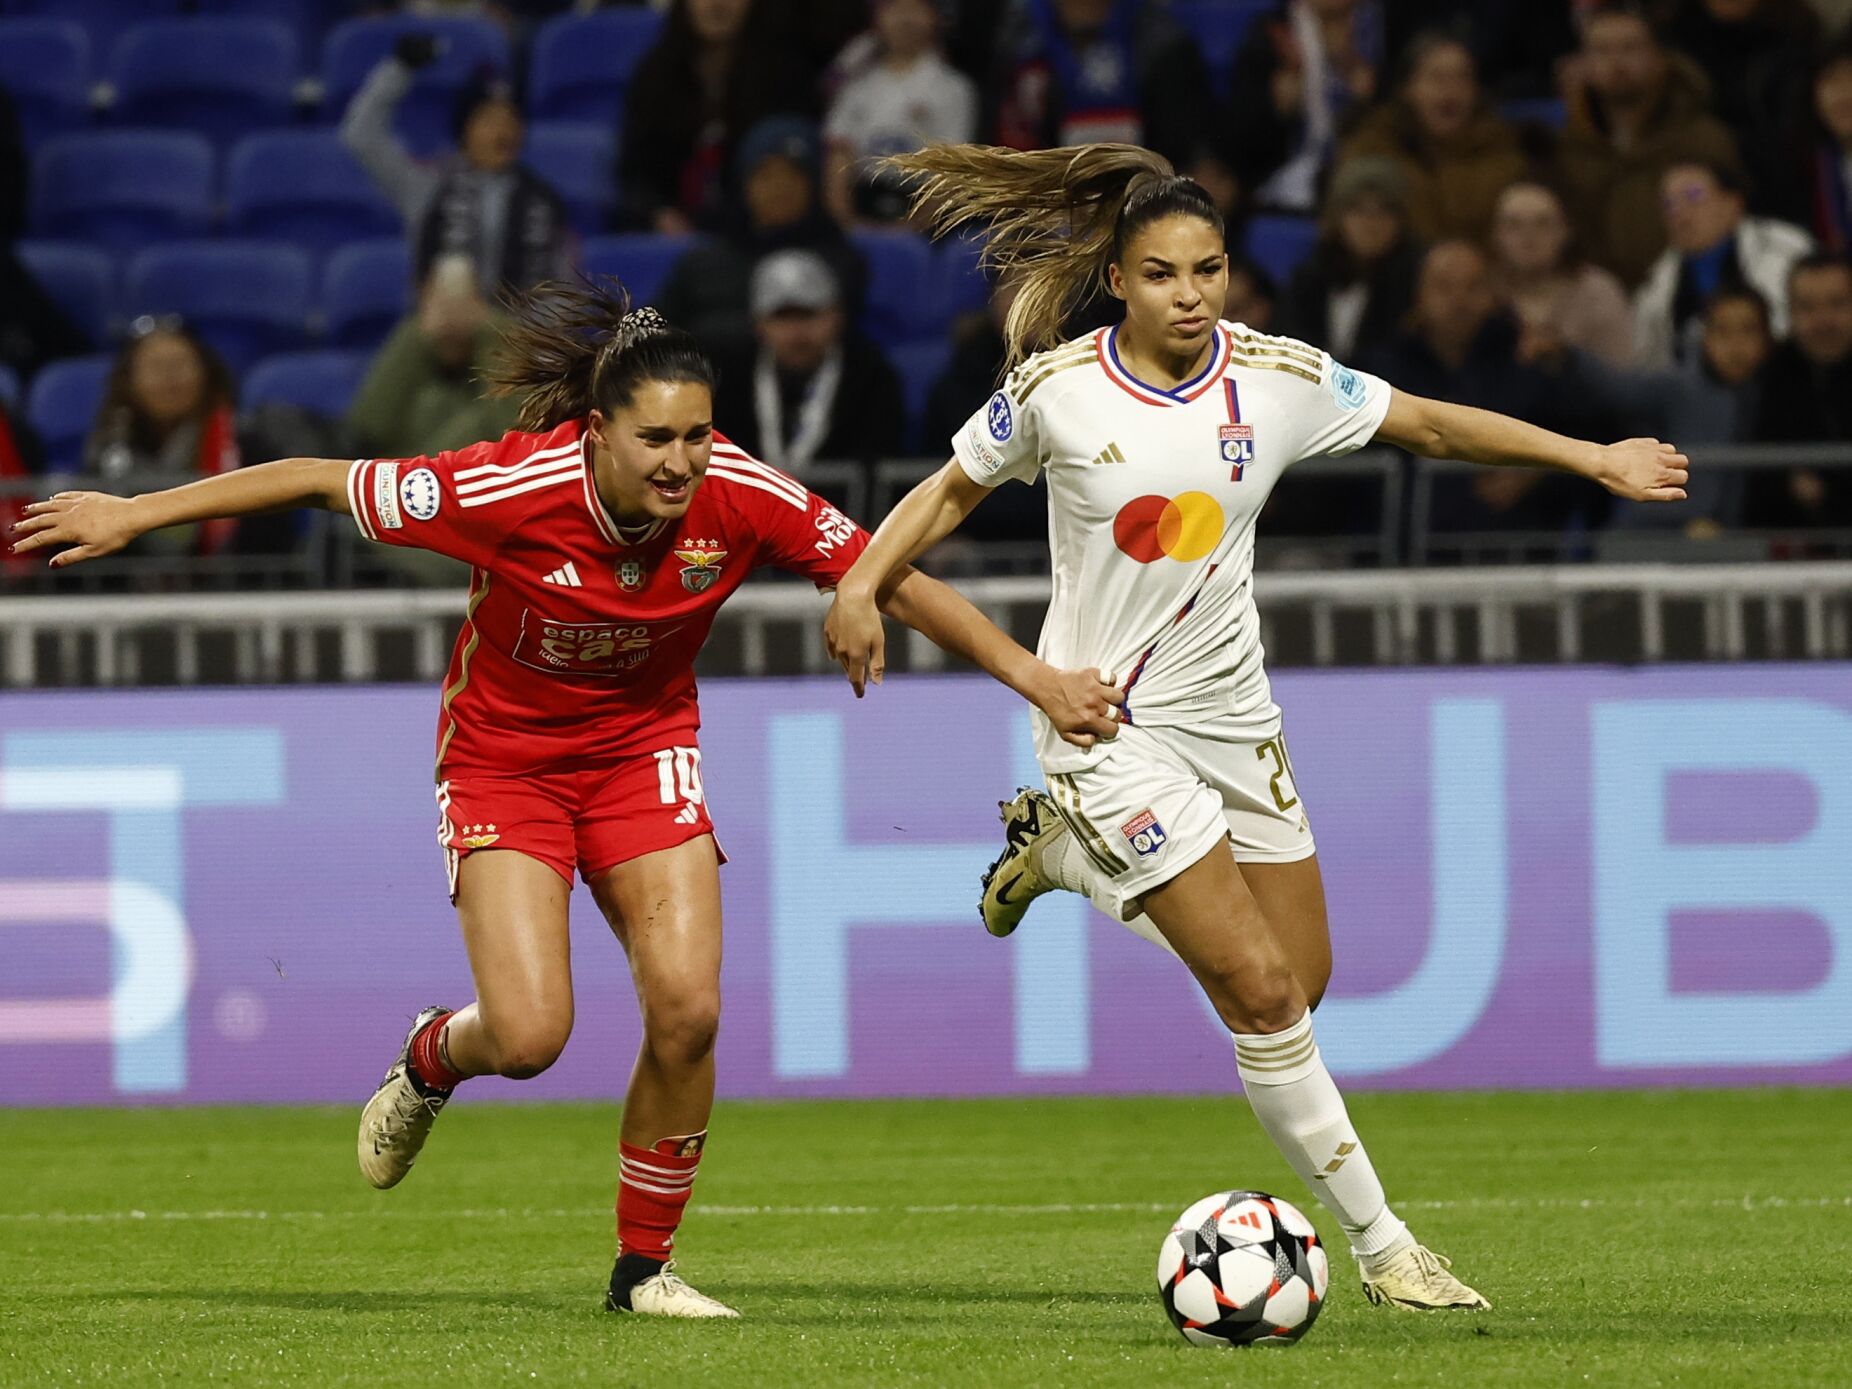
1161 798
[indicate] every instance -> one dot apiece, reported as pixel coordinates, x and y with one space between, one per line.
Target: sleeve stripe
483 470
357 498
745 464
748 480
520 485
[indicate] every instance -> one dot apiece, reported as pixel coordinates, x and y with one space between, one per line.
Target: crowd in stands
230 231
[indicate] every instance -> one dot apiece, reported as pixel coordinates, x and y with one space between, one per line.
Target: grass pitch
1694 1239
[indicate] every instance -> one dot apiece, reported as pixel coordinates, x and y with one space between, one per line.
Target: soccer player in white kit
1160 439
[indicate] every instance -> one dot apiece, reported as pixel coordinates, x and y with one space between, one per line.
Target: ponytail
574 348
1055 219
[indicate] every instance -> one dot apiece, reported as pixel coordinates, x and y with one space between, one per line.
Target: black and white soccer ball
1242 1268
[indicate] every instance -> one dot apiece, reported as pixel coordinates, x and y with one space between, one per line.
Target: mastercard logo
1182 528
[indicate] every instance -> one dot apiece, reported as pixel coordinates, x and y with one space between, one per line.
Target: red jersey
579 642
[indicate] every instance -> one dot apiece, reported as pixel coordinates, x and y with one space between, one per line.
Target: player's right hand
856 640
1083 705
89 524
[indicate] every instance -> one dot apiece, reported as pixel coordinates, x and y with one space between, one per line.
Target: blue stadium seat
959 284
642 260
577 159
302 186
103 20
470 47
62 404
366 290
582 63
80 278
899 304
45 69
221 77
920 365
1219 26
247 298
307 19
9 388
123 188
1280 243
324 382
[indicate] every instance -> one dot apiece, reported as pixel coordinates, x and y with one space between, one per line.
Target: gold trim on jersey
1062 784
469 649
1032 373
1262 352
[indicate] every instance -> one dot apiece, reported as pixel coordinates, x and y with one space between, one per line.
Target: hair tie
636 325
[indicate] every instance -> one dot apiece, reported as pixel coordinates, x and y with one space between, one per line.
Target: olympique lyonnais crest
700 564
1237 447
630 575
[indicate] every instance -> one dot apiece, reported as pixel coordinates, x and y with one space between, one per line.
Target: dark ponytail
574 348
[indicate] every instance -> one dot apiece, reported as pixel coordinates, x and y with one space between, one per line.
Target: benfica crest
630 575
700 564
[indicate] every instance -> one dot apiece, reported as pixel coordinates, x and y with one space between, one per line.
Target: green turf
1625 1240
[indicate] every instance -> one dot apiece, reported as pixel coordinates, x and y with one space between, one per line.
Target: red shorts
595 817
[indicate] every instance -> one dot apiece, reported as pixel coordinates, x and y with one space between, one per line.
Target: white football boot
398 1118
1416 1279
664 1294
1030 824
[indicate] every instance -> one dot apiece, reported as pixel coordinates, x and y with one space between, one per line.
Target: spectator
707 289
421 395
1349 296
1299 77
1820 194
480 201
1459 346
1455 152
1756 54
1714 245
1076 72
1251 294
1556 295
167 410
906 96
1808 398
811 389
1637 111
719 69
1518 46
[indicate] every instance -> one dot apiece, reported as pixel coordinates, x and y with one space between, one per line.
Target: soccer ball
1242 1268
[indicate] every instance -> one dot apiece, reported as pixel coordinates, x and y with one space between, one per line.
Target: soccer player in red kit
602 537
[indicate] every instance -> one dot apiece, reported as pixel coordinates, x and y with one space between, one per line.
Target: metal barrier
1384 617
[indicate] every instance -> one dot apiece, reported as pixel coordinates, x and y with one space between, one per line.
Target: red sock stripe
428 1056
652 1191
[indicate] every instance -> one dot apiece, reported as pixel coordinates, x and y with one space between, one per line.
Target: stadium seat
80 278
1219 26
959 284
366 290
220 77
1278 244
102 20
9 387
323 382
642 260
123 188
577 159
62 404
470 48
45 69
920 365
308 20
247 298
582 63
899 305
302 186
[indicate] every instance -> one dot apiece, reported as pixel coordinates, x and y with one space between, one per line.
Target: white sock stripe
683 1176
658 1190
1299 1045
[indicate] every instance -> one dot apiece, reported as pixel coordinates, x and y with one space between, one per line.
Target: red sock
652 1189
428 1056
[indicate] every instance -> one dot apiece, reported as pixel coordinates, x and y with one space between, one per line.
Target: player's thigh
664 907
513 912
1292 898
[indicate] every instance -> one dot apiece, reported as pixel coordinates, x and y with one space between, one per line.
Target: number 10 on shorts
678 775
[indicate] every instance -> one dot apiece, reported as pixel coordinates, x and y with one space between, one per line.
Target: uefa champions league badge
1237 448
1347 388
1000 418
420 492
1144 834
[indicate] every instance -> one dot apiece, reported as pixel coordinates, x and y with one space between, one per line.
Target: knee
1264 999
523 1050
681 1027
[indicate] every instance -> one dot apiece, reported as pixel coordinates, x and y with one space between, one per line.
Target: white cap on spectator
793 280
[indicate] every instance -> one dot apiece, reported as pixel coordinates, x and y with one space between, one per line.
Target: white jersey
1152 499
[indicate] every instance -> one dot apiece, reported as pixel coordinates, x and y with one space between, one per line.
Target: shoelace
672 1284
405 1108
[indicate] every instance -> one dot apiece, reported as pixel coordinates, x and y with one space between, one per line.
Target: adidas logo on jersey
1112 453
565 576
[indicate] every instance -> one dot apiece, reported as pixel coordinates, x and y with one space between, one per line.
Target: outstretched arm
92 524
1641 470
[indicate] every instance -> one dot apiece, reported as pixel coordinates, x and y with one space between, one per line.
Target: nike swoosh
1003 893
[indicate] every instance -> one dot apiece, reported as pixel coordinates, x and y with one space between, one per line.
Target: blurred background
1582 771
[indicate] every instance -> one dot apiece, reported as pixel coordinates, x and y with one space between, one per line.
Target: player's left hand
856 640
1643 470
1083 705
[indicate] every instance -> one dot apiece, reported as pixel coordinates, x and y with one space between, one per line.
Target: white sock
1301 1110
